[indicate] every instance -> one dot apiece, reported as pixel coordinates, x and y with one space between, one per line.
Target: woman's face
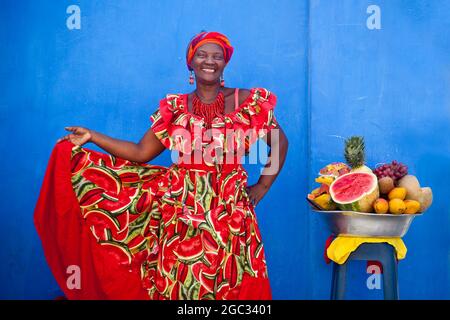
208 63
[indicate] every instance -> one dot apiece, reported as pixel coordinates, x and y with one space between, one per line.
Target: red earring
222 81
191 78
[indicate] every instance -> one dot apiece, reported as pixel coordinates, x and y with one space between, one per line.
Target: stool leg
338 282
333 282
390 276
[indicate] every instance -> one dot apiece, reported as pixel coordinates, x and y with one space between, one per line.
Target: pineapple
354 154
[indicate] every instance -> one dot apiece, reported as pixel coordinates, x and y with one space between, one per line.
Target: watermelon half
355 191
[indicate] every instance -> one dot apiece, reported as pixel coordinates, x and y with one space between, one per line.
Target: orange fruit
412 206
397 206
397 193
381 205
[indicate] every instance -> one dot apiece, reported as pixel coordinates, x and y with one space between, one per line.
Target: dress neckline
185 110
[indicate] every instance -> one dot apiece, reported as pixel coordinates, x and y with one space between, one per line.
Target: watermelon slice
355 191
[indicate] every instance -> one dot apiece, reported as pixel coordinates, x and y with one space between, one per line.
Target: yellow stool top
340 249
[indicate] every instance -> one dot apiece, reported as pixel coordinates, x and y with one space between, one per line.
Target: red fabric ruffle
67 241
255 115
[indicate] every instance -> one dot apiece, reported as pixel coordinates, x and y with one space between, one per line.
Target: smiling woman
185 232
208 61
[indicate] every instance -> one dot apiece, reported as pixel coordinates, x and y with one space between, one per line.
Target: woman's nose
209 59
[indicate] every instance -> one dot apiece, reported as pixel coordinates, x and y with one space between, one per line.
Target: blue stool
382 252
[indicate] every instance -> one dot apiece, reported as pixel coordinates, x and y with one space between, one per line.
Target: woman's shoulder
244 94
249 94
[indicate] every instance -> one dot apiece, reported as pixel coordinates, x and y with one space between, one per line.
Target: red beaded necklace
208 111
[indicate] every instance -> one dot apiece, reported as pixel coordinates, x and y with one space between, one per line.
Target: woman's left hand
256 192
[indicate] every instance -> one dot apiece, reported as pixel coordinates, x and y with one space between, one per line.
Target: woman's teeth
208 70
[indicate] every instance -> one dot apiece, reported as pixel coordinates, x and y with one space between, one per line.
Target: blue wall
390 85
110 76
332 75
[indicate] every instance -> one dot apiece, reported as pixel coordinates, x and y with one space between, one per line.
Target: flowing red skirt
83 268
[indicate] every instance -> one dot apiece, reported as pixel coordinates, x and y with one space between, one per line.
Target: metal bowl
360 224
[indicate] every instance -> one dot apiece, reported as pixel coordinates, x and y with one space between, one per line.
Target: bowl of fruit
355 200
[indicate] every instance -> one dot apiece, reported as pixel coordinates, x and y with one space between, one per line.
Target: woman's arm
147 149
278 143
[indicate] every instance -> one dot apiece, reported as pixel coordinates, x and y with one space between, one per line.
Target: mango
381 205
412 206
325 179
397 206
325 202
397 193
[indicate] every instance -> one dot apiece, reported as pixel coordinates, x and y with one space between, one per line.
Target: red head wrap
208 37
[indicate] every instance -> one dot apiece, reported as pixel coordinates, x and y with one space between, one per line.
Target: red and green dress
115 229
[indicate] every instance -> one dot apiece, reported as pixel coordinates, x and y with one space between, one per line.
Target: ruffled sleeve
261 110
256 114
169 123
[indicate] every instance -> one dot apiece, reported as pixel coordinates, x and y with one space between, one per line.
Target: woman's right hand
79 135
